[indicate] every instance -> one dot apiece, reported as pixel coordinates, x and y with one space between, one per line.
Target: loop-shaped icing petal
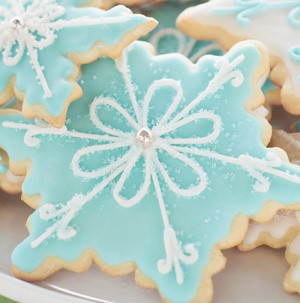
13 46
46 38
294 17
116 106
143 190
194 118
100 172
201 180
152 90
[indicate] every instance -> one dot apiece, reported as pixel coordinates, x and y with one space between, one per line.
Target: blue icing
294 15
57 67
3 167
125 234
168 39
244 9
294 53
9 104
268 86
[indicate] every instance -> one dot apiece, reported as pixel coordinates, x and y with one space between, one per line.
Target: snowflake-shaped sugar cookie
273 22
42 42
158 161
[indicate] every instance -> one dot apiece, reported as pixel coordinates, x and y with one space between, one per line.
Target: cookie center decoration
17 22
144 137
29 26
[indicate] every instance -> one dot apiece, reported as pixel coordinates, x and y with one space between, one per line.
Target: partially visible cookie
280 230
275 233
9 182
284 229
42 44
292 277
167 38
275 24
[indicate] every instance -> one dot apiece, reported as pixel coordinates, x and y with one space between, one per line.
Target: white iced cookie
275 233
276 23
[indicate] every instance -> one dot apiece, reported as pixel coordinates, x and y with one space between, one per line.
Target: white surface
249 277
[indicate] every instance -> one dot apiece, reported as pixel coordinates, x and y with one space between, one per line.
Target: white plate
249 277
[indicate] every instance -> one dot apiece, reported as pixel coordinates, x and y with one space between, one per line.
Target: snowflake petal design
156 160
35 35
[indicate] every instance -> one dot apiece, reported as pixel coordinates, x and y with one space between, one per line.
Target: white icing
144 143
270 27
32 27
278 227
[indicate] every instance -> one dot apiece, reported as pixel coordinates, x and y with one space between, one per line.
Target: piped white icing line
277 228
273 22
144 143
30 26
184 47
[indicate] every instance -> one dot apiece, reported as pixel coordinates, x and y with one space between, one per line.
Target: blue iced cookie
159 166
43 42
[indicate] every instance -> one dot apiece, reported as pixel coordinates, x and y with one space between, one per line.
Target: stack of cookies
151 156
